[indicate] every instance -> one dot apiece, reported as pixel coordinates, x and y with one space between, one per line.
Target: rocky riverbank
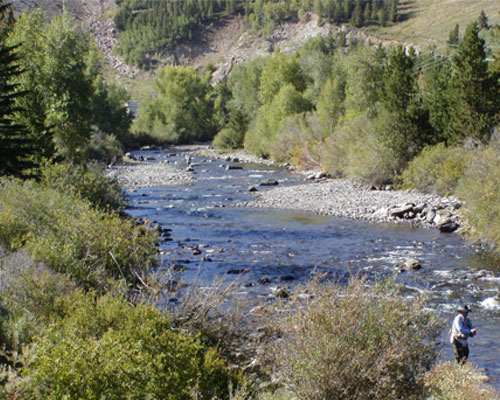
318 194
350 199
147 174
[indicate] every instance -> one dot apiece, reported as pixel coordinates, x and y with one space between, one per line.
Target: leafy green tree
15 144
331 106
288 101
315 60
279 71
474 90
365 68
108 110
52 56
243 82
181 110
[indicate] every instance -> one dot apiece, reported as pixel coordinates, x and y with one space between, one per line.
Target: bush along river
218 219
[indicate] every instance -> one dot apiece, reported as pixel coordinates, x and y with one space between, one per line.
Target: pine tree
483 20
393 11
15 145
367 13
357 15
475 101
453 38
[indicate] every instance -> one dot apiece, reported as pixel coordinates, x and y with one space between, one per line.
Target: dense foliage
69 235
150 29
16 147
361 342
180 109
104 347
66 100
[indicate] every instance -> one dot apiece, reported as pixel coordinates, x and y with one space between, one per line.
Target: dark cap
464 308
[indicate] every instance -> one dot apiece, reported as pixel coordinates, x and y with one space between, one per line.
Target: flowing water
288 247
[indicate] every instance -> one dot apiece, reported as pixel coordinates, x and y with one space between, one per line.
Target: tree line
352 109
55 102
149 29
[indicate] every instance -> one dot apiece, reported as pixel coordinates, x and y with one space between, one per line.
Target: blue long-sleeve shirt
461 329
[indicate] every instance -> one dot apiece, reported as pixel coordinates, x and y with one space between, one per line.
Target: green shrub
68 235
27 297
452 381
299 141
233 135
437 169
104 148
355 151
104 348
260 138
480 189
88 183
360 342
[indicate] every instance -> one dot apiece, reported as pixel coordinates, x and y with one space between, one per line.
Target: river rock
252 189
448 227
263 281
237 271
280 292
442 217
400 211
411 264
231 167
286 278
269 182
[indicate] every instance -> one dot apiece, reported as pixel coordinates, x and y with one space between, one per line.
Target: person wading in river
461 330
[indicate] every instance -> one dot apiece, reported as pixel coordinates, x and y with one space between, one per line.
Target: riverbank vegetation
383 115
80 283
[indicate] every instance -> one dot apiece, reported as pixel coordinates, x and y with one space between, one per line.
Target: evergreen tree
403 125
483 20
475 101
393 11
357 15
453 38
16 147
367 13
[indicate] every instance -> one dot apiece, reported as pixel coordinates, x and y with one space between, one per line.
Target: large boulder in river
448 227
269 182
399 212
411 264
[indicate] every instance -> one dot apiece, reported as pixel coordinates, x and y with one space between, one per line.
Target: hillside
230 41
428 22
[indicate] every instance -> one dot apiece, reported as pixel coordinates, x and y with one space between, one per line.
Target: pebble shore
146 174
318 194
349 199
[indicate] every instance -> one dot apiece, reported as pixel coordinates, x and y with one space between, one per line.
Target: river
211 237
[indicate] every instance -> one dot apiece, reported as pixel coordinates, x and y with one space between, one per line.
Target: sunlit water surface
289 247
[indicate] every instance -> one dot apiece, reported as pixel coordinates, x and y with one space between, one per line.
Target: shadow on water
212 239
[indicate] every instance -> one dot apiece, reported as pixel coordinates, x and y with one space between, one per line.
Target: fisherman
461 330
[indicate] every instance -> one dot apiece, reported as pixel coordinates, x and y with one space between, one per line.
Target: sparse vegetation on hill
150 29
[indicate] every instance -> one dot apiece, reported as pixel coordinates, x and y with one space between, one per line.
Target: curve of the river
210 237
